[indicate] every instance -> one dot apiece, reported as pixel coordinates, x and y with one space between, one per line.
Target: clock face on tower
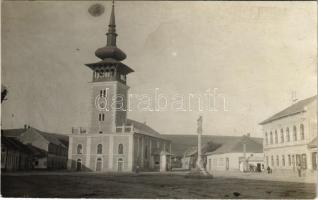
101 103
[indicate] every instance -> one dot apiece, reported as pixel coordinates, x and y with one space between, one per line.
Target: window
146 152
271 137
267 161
295 133
104 93
287 135
304 161
101 117
289 160
79 149
99 149
101 93
281 135
272 161
276 137
283 160
120 149
302 132
266 138
277 161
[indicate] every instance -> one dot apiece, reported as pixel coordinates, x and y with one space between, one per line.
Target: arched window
103 117
266 138
271 137
79 149
276 137
281 135
295 133
277 161
287 135
120 149
302 132
99 149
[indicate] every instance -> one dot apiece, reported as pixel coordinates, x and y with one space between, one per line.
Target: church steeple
111 35
111 50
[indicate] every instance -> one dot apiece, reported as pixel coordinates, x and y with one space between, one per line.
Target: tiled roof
14 144
291 110
54 138
236 146
12 132
182 143
144 129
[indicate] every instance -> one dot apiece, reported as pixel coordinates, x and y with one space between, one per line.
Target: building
190 156
49 150
113 142
290 137
244 154
15 155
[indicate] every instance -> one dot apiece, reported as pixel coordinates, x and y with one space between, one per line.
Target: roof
296 108
36 152
313 143
207 147
236 146
13 143
143 128
181 143
12 132
54 138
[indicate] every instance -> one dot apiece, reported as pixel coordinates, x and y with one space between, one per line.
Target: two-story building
290 137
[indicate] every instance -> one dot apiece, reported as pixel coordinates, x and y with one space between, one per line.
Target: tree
4 93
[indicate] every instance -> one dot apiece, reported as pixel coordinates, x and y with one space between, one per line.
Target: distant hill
180 143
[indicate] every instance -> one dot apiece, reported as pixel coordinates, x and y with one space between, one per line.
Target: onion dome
111 50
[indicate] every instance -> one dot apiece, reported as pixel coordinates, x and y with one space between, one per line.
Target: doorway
99 165
78 165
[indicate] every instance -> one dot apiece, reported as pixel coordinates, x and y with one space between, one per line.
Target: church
114 143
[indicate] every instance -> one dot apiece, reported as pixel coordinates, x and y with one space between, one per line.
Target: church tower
109 88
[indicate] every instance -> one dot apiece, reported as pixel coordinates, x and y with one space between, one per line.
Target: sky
254 53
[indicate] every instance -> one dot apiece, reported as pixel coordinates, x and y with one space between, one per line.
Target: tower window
120 149
104 93
101 93
103 117
79 149
99 149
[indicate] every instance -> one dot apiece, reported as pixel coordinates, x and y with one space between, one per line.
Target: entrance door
99 165
227 163
120 164
314 160
79 165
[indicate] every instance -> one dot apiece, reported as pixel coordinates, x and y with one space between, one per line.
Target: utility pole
199 131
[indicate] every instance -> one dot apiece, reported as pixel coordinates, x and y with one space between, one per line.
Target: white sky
255 53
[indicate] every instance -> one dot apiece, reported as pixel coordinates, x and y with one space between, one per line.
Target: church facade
113 142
